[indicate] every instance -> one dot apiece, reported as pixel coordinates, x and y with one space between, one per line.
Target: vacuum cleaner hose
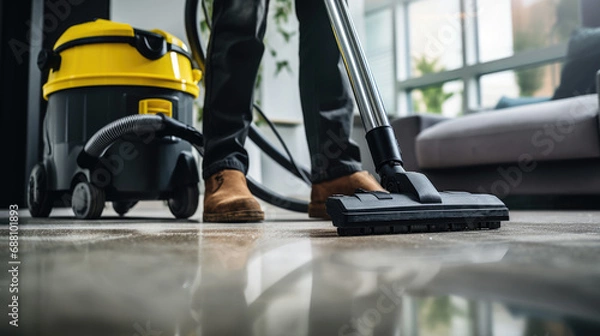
165 126
104 138
275 199
271 151
191 28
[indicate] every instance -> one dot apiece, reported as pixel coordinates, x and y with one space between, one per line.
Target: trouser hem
222 165
334 173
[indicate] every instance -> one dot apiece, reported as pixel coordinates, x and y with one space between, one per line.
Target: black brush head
382 213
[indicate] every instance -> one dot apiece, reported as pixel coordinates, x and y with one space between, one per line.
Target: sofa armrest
407 129
598 83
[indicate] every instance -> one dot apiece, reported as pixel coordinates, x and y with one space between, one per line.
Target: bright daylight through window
454 57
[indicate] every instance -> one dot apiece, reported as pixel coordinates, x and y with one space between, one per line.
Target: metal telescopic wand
365 89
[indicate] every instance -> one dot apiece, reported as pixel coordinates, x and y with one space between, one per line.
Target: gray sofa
542 155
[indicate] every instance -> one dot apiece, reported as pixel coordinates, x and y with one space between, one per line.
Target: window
529 82
453 56
507 27
443 315
445 98
435 36
380 52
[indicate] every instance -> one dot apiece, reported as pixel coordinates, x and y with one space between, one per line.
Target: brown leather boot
346 185
228 200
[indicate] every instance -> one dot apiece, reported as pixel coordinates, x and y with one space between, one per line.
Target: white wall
280 93
166 15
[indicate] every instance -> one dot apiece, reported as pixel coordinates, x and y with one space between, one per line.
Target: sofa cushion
407 129
557 130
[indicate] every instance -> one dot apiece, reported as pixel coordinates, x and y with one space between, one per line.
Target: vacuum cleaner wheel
39 199
184 202
123 207
87 201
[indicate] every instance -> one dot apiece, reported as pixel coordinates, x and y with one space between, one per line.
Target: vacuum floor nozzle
367 213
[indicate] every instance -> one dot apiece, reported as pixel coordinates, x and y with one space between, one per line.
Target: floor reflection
250 286
298 280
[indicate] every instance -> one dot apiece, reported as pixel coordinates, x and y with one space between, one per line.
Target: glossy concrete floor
150 275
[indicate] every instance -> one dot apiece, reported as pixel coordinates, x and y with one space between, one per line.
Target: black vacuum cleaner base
381 213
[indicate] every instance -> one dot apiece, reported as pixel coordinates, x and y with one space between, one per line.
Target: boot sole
247 216
318 210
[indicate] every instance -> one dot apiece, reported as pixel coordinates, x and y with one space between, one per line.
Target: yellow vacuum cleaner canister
103 53
99 72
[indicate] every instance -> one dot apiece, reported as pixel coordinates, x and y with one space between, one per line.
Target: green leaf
285 34
203 26
281 15
281 65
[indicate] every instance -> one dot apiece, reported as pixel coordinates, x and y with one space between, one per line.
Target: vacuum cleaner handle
413 204
380 135
370 104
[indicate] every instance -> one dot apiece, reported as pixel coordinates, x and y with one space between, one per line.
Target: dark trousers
234 53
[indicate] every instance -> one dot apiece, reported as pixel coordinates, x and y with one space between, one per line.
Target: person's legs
234 54
326 102
328 111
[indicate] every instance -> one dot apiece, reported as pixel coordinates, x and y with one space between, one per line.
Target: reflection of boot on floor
227 199
346 185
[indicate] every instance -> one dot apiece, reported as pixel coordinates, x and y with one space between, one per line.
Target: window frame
471 71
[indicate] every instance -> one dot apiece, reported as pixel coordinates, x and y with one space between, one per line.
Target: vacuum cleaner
120 102
99 72
412 203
